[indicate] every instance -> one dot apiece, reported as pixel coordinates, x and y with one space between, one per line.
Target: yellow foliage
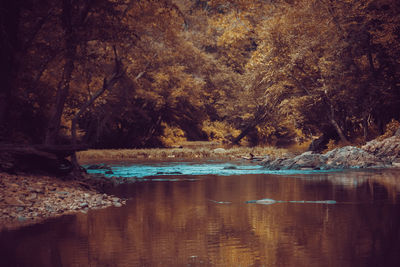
266 133
219 131
390 129
172 136
332 144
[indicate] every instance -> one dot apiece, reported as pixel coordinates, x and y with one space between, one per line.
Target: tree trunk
108 84
243 133
336 125
9 45
70 26
63 87
259 117
365 127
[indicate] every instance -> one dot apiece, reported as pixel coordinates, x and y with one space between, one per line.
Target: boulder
351 157
387 149
339 158
308 160
397 133
219 150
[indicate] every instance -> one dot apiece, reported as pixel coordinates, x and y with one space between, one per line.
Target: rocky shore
26 199
375 154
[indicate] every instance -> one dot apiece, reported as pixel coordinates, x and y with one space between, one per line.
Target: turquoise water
140 170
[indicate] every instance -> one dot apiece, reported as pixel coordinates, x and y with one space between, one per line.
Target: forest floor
27 199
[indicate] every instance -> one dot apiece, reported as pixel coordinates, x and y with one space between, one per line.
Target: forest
143 73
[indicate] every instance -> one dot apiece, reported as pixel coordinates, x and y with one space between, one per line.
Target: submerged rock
168 173
230 168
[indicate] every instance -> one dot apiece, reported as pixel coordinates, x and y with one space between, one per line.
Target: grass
200 151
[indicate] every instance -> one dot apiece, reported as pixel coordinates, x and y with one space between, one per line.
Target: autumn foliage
129 74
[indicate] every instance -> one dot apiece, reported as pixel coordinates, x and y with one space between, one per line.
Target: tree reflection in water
175 224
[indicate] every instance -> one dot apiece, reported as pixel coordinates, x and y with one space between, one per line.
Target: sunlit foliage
135 73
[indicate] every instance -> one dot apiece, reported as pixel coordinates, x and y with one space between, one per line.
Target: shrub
172 136
219 131
390 129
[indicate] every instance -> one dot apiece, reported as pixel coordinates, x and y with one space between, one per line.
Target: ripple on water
192 168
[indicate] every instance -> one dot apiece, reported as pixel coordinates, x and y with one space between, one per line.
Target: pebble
22 218
31 197
45 198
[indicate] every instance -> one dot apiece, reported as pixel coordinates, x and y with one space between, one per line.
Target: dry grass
195 152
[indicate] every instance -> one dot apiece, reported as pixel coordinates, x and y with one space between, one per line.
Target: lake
199 218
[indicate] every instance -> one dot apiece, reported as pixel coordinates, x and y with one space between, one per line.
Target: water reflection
176 224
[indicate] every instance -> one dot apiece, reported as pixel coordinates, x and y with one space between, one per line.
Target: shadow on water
205 221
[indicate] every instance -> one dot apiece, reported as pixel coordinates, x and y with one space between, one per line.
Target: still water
205 220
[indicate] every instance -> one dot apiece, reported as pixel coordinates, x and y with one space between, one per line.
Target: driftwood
42 159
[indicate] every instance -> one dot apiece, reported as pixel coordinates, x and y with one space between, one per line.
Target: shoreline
29 199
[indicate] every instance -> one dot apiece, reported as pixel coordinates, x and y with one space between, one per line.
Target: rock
351 157
31 197
219 150
36 189
267 159
230 168
98 167
339 158
22 219
63 193
14 201
387 148
117 204
397 133
19 209
396 164
49 208
84 205
168 173
308 160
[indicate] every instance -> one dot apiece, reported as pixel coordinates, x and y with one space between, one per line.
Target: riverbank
376 154
96 155
27 199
